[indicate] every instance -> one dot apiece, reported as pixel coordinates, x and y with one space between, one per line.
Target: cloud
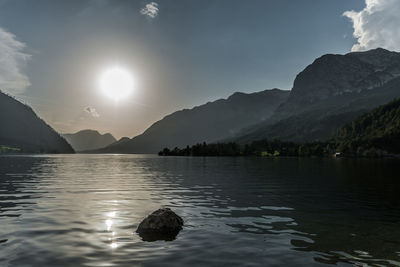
12 61
92 111
150 10
377 25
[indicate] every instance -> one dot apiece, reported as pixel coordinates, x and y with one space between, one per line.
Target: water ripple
82 210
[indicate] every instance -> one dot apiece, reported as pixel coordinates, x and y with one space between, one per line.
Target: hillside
23 131
88 140
330 92
374 133
205 123
324 82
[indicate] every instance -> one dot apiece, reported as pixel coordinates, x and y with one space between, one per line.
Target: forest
374 134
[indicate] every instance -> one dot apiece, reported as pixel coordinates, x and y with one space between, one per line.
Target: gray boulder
162 224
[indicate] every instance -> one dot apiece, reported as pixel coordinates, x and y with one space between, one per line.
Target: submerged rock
162 224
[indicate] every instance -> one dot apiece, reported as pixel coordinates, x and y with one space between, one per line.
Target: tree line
374 134
264 148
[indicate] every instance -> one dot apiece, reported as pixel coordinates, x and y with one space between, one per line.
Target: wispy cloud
151 10
12 62
377 25
92 111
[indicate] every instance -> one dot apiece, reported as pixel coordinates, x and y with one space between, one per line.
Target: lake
83 210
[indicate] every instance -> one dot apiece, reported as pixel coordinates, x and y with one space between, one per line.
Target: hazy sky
181 53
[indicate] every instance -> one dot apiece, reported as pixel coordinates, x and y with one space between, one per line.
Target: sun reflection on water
112 214
114 245
109 223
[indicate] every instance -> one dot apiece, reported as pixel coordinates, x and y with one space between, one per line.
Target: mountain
89 140
22 130
374 133
331 76
206 123
330 92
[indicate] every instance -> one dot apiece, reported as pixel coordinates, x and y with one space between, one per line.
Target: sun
116 83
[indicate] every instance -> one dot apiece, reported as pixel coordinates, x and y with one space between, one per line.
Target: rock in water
162 224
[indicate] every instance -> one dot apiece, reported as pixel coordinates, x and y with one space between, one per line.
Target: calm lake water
83 210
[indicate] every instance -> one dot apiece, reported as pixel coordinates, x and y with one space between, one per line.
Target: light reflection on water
73 210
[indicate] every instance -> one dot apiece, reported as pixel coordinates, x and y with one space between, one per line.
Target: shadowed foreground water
83 210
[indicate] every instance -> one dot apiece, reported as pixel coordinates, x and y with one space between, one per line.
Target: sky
180 53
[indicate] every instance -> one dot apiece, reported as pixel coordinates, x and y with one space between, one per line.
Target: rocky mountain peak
332 75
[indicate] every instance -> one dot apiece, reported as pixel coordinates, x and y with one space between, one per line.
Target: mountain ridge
332 90
203 123
23 130
334 74
299 118
373 134
88 139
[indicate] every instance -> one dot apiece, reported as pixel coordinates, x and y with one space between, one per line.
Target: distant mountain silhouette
89 140
22 129
330 92
205 123
327 94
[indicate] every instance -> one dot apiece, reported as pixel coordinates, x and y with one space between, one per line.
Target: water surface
82 210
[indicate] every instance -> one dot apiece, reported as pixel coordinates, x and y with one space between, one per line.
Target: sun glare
116 83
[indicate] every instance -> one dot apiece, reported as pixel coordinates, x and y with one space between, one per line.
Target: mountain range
331 91
23 131
374 134
206 123
328 93
88 140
